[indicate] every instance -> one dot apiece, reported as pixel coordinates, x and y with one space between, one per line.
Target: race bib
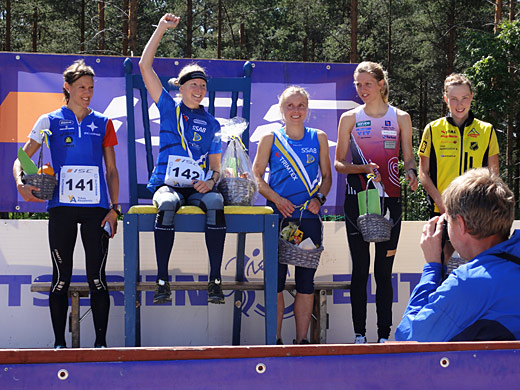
182 171
79 184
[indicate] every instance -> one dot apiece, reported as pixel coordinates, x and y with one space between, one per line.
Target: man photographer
480 299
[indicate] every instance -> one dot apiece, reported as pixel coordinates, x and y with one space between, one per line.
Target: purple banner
31 85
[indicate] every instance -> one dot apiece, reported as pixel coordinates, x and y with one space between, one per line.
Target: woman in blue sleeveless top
188 165
296 156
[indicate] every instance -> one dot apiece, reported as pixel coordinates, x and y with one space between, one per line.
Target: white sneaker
360 339
382 340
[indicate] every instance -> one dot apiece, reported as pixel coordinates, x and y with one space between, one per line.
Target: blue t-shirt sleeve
166 103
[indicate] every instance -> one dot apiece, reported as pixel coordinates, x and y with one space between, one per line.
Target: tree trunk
35 31
516 189
132 33
389 49
450 49
512 10
498 15
125 28
8 25
353 31
423 109
219 36
101 25
189 28
242 35
82 27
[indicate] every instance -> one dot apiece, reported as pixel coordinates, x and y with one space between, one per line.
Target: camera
445 236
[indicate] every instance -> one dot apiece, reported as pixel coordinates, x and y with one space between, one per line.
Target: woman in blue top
188 165
296 155
80 140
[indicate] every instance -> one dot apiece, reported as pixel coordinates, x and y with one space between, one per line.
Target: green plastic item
28 166
374 204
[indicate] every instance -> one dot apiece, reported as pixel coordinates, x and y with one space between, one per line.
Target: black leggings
384 260
63 229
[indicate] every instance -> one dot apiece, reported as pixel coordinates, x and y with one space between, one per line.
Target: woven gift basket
374 227
293 255
237 191
237 184
46 183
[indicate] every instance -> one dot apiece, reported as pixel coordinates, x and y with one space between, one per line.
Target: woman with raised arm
188 165
296 156
369 139
80 139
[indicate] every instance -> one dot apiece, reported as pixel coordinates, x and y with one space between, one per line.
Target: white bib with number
182 171
79 184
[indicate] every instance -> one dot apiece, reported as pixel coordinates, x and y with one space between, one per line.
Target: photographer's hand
431 240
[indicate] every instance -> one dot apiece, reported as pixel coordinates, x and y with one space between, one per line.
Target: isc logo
80 170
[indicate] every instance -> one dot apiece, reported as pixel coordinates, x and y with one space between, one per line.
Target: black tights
383 263
63 228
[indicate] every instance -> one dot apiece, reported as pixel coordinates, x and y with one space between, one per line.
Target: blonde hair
293 90
456 79
187 69
483 200
75 71
376 70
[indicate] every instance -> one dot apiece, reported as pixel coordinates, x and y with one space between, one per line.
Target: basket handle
370 180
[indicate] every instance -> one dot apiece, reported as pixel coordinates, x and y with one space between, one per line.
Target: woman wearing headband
188 165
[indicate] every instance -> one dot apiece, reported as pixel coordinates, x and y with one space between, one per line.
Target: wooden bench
319 322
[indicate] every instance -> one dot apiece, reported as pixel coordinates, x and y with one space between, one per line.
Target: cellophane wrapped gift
237 183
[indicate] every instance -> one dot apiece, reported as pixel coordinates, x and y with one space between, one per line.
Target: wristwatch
117 208
321 198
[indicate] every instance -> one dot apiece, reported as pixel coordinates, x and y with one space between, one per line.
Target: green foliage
418 42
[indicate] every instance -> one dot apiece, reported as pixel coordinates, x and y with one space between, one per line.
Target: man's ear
461 224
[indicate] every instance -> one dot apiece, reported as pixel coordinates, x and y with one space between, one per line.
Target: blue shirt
75 144
486 288
201 136
295 179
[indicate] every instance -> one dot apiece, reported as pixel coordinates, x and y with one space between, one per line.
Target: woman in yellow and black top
456 143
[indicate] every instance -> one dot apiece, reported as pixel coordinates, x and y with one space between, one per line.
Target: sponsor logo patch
473 133
363 123
390 144
473 146
363 133
200 122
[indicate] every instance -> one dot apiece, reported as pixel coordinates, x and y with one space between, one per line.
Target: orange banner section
20 110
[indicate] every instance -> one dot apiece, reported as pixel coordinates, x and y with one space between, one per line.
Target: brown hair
75 71
456 79
483 200
376 70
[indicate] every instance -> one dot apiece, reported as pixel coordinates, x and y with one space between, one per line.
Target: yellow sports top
453 150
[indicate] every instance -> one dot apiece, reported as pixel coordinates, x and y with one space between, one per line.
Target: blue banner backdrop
31 85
